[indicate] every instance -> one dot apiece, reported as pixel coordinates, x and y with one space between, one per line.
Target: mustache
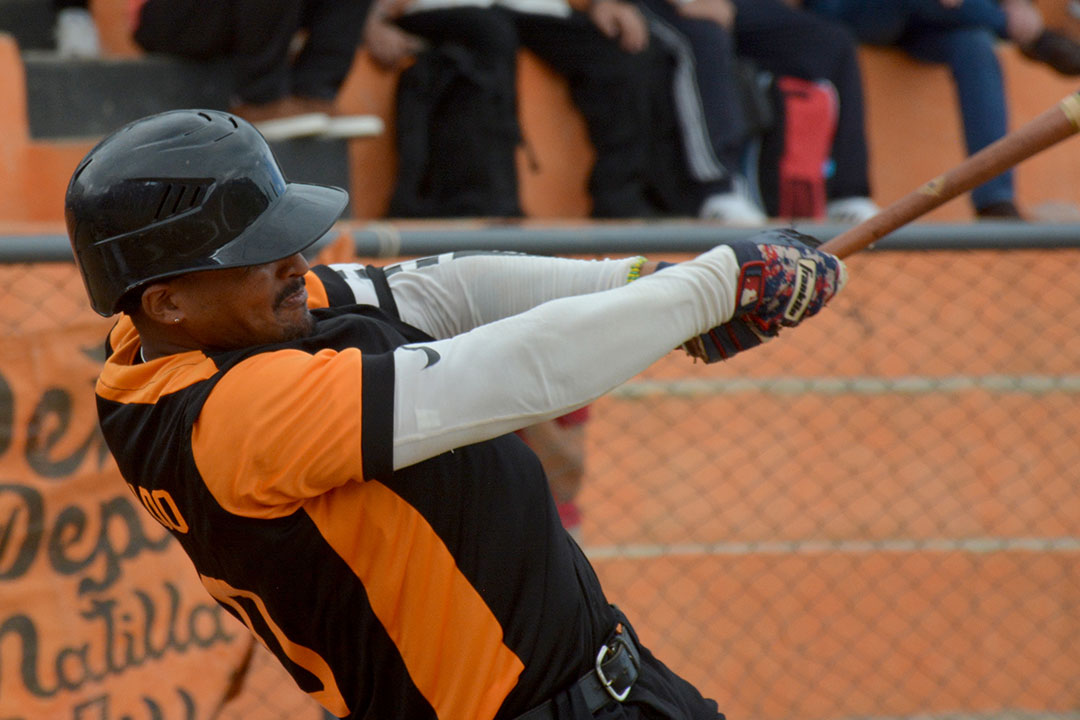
289 290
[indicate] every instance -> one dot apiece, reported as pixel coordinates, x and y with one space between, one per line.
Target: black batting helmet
186 190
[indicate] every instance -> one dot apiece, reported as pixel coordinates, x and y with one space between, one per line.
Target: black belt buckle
621 647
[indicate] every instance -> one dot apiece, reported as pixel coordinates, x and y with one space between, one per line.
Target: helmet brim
297 218
301 215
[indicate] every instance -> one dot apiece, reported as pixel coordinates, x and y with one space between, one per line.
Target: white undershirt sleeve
445 295
515 371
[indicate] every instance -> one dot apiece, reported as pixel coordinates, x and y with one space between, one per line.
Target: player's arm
365 414
452 293
564 353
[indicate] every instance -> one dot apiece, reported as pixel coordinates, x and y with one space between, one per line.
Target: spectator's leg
187 28
884 22
560 445
970 14
980 90
489 37
488 33
262 32
704 93
606 85
877 22
334 28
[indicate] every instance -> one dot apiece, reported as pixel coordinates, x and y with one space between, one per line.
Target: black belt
614 672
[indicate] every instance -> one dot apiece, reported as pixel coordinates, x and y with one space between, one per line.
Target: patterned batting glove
783 280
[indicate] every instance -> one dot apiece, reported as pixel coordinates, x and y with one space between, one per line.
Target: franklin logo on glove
805 279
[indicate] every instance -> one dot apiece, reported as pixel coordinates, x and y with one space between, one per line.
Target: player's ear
158 303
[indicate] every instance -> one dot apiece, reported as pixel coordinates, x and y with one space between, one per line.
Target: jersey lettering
161 505
318 681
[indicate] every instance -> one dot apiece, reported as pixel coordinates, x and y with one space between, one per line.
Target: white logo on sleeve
432 356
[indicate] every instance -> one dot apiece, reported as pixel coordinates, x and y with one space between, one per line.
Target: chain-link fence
875 515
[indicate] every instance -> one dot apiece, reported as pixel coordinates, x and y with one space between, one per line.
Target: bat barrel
1052 126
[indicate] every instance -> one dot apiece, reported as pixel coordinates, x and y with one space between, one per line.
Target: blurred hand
1023 21
721 12
952 3
388 44
621 21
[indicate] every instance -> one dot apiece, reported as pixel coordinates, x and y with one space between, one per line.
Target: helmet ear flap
181 191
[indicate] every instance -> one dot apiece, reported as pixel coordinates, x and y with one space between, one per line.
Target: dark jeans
707 105
254 37
963 38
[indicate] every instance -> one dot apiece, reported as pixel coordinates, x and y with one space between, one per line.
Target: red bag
795 157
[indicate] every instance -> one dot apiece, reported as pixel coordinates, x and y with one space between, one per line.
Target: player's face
240 307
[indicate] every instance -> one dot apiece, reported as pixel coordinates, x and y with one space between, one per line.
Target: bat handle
1054 125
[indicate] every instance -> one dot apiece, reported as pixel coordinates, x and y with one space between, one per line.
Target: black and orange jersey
447 589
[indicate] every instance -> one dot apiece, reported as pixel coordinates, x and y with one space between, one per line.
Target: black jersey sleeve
338 292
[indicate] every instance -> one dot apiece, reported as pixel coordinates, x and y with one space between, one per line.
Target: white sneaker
852 210
294 126
76 34
735 208
350 126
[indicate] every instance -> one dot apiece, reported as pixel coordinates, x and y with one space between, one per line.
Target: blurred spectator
705 36
707 104
75 32
560 445
962 34
600 53
284 90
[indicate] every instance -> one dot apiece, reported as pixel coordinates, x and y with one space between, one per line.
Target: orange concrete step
33 175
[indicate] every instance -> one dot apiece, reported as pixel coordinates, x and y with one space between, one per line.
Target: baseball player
334 447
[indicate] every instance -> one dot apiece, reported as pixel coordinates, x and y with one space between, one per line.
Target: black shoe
1056 50
1004 210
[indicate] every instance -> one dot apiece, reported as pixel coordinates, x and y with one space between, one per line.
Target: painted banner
102 616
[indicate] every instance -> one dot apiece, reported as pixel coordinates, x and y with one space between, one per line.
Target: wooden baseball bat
1052 126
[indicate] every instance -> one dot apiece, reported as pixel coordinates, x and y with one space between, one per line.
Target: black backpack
457 135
